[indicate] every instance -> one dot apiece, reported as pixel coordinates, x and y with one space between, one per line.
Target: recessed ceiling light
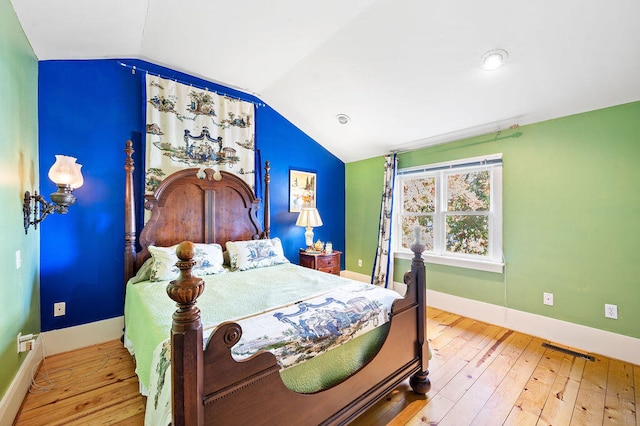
343 118
493 59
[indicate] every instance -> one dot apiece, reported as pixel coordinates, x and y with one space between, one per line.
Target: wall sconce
65 173
309 218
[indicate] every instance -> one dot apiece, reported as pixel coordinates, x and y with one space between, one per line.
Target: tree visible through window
418 206
468 208
458 207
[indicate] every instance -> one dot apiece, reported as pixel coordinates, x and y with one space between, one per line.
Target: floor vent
569 351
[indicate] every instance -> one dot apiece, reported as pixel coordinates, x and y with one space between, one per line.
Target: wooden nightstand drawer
335 269
307 261
327 261
324 262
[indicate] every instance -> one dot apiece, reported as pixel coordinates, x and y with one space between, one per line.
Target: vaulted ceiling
407 72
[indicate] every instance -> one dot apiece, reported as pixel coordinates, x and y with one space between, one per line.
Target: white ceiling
406 71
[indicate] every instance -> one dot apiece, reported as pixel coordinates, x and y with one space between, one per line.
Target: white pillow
208 259
164 263
251 254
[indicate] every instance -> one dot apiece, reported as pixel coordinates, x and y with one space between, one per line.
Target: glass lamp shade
78 180
309 217
65 171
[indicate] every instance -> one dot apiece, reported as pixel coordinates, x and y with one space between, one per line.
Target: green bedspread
233 295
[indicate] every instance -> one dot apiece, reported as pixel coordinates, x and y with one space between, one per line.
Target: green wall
364 183
571 203
19 288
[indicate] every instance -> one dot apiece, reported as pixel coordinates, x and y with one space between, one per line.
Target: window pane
418 195
468 234
469 191
426 231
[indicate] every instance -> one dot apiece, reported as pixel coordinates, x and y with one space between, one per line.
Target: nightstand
321 261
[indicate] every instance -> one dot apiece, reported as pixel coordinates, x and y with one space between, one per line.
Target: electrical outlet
360 263
26 342
59 309
611 311
27 345
547 299
18 259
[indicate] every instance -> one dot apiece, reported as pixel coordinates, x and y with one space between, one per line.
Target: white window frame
493 262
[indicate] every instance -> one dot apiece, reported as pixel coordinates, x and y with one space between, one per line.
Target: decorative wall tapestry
190 127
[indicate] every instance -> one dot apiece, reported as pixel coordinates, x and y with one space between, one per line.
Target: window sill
478 265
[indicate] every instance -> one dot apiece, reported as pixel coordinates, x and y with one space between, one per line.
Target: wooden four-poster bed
209 386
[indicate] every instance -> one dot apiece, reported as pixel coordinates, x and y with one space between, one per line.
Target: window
458 207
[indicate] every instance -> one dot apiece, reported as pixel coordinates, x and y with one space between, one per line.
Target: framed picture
302 190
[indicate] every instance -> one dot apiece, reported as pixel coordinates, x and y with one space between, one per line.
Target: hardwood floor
481 374
93 386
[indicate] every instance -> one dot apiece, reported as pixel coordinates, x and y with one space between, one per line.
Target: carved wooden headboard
187 207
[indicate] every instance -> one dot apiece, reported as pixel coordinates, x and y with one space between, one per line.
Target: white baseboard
12 399
356 276
80 336
588 339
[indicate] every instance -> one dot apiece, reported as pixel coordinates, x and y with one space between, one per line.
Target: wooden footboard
210 387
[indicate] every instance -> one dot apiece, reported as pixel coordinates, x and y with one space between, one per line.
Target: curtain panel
382 267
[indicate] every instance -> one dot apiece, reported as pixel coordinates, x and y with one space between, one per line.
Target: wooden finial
186 289
417 247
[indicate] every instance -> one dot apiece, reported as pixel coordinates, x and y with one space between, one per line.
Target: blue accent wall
88 109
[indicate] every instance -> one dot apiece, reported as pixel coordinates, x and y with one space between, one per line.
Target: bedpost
267 200
129 215
186 342
416 278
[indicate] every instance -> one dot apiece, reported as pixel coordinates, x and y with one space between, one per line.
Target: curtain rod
134 68
471 132
492 160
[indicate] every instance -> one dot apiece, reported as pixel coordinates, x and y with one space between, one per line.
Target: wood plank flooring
481 374
91 386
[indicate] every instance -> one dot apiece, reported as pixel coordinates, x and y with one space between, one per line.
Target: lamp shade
78 180
65 171
309 217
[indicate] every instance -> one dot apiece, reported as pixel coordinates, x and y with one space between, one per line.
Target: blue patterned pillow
251 254
208 259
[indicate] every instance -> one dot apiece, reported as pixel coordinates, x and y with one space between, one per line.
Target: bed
210 384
